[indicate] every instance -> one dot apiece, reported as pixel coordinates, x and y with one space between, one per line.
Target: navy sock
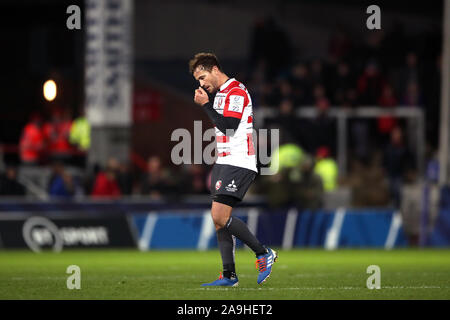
226 245
229 271
239 229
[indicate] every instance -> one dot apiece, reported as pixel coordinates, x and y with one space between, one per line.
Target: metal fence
415 127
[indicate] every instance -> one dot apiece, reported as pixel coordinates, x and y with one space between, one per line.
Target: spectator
317 73
285 89
294 185
413 96
32 143
105 184
358 128
301 85
397 163
122 174
326 167
125 178
350 99
319 92
157 182
386 123
277 189
322 128
339 44
269 96
287 120
57 133
407 74
288 154
368 183
308 192
341 83
195 180
432 168
80 132
432 98
281 91
285 160
256 84
62 184
370 84
80 138
88 179
372 49
9 186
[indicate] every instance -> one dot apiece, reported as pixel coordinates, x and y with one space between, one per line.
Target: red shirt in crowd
105 186
32 143
57 136
387 99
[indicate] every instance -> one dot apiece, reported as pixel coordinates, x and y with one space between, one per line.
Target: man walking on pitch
235 168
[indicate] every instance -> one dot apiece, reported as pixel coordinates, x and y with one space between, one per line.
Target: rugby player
235 167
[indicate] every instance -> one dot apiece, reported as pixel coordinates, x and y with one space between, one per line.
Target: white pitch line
323 288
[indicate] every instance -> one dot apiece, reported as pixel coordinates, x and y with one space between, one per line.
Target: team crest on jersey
218 184
231 187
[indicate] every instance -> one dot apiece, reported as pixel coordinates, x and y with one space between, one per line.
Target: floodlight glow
50 90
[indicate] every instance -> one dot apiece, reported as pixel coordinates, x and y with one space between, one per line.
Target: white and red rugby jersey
233 100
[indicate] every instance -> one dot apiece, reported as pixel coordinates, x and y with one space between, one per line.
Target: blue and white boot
264 264
223 282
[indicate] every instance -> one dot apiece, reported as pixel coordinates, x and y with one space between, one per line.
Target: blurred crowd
55 137
386 68
113 180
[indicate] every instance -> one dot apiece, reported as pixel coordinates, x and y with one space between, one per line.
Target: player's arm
222 122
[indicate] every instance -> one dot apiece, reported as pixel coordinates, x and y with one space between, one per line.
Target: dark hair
206 60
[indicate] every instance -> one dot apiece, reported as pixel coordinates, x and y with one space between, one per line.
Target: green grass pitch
166 275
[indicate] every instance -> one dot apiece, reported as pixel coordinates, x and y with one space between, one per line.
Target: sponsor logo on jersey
236 103
218 184
231 187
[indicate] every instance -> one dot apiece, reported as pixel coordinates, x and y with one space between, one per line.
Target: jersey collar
226 84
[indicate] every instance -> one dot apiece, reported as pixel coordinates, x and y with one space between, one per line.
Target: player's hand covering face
200 97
